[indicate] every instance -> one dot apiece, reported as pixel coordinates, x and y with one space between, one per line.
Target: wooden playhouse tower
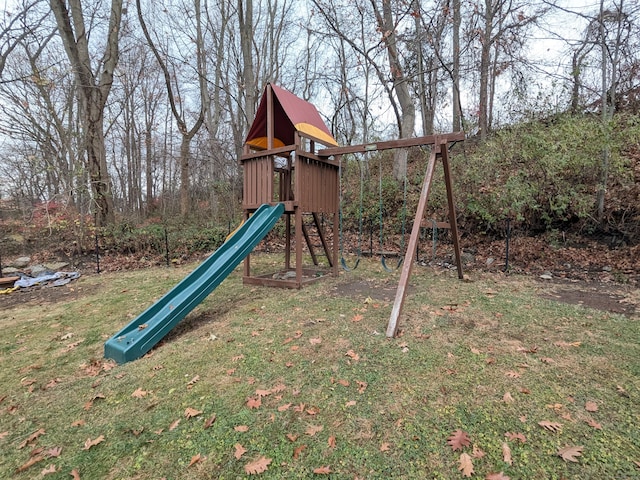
280 165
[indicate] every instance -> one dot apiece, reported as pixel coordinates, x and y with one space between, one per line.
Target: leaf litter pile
486 380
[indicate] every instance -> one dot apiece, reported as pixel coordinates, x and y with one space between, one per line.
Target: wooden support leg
287 242
298 222
452 210
413 242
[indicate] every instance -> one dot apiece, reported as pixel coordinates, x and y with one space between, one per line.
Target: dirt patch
594 297
44 295
379 291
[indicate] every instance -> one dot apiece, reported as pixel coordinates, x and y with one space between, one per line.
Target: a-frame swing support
439 151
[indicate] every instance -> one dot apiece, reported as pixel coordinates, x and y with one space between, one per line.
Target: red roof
291 114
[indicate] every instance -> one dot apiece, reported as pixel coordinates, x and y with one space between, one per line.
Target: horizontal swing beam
391 144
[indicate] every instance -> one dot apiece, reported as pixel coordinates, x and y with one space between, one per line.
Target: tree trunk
92 92
457 113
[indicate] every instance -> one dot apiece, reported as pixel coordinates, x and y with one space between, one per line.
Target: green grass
464 346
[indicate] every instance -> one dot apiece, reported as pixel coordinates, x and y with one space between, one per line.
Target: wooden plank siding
316 185
258 181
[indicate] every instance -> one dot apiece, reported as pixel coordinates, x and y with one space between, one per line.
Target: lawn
490 378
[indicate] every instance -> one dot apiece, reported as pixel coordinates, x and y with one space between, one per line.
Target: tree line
122 108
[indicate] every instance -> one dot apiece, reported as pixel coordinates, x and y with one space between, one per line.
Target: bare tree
178 108
93 91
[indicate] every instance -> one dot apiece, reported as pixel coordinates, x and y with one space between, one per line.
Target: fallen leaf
567 344
50 469
466 465
506 453
344 383
350 403
297 451
475 351
551 426
253 402
497 476
591 407
29 463
75 474
174 425
592 423
315 341
569 454
285 407
332 441
507 398
139 393
241 428
257 466
3 434
357 318
353 355
298 334
477 452
313 410
385 447
237 357
240 450
459 439
192 382
516 437
195 459
362 386
191 412
322 470
53 452
92 443
512 374
32 438
292 437
547 360
313 429
209 421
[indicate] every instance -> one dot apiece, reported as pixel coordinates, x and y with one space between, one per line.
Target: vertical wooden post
247 261
452 209
269 117
298 222
392 327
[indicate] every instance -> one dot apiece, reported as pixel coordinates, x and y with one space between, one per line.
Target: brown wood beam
407 266
391 144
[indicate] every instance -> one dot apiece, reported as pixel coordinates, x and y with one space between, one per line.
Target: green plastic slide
139 336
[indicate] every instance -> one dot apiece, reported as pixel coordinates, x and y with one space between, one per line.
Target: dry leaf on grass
257 466
292 437
191 412
507 398
591 407
352 355
32 438
139 393
209 421
29 463
315 341
297 451
477 452
313 429
75 474
92 443
497 476
253 402
516 436
466 465
362 386
593 424
241 428
174 425
326 470
569 453
459 439
195 459
331 442
193 381
240 450
506 454
551 426
53 452
285 407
